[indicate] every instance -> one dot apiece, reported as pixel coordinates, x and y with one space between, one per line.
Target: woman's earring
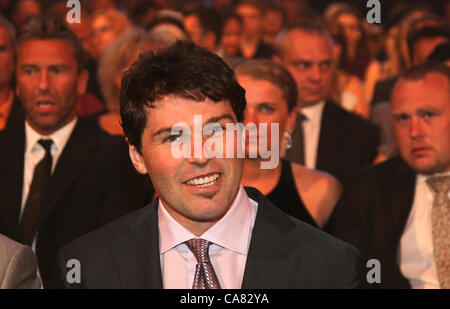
288 138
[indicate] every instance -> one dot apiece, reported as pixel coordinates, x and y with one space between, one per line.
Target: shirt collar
59 137
232 231
313 112
421 178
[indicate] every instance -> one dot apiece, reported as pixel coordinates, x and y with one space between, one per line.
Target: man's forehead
52 50
298 43
424 91
184 109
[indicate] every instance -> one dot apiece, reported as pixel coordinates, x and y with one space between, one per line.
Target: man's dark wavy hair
183 70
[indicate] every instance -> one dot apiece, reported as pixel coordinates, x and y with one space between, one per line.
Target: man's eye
172 138
266 109
428 114
214 130
401 118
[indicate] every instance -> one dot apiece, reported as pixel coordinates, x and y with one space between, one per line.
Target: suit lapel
268 261
12 165
78 152
137 255
329 139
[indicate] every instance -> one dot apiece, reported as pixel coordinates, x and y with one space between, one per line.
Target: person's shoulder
350 119
381 170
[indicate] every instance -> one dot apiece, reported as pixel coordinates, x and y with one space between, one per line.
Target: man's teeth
204 181
44 103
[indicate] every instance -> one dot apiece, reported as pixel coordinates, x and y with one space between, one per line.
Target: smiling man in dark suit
205 230
399 211
60 176
326 137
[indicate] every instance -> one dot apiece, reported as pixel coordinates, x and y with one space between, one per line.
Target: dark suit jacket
372 215
347 142
16 115
284 253
93 183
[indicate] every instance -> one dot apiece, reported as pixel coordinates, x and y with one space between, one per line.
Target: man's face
251 19
48 83
421 114
309 58
193 28
423 48
6 58
195 206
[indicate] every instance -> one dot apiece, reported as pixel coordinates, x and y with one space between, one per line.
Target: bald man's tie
440 185
205 276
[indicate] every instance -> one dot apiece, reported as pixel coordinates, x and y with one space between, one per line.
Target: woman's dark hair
183 70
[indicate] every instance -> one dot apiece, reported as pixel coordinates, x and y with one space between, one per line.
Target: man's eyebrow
219 118
210 120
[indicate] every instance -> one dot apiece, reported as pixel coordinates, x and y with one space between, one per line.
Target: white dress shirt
416 255
228 254
34 153
311 132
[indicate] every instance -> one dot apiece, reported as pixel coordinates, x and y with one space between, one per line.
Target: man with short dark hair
398 211
60 176
325 137
205 230
204 27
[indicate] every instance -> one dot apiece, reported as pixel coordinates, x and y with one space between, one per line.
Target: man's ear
137 159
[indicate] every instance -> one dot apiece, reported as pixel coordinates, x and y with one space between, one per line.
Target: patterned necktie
41 176
440 185
205 276
297 153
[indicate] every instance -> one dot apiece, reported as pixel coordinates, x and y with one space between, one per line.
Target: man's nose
198 155
315 73
416 129
43 80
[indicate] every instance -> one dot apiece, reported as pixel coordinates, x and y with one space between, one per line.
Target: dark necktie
297 152
205 276
42 172
440 218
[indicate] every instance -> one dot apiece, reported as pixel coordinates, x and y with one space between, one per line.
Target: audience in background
252 44
107 26
10 110
325 137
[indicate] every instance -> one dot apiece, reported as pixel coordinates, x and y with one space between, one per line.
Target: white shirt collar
421 178
313 113
231 232
59 137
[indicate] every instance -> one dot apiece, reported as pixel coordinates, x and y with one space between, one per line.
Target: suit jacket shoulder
18 266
